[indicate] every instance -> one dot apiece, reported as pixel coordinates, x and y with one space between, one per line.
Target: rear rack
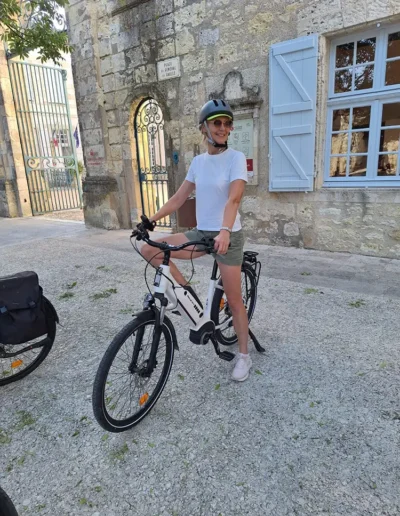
250 257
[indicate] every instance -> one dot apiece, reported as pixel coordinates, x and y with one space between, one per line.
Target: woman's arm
236 192
175 202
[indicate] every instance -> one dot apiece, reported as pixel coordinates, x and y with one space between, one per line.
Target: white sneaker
242 368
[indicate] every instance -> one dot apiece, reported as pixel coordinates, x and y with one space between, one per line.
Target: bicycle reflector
16 364
143 399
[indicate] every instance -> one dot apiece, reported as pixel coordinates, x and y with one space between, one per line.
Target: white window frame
62 137
376 96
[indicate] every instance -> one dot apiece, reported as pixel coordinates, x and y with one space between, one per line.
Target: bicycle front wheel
221 313
6 506
124 391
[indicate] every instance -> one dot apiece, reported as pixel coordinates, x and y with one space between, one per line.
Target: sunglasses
218 123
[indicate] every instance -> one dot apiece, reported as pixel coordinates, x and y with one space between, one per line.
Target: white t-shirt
212 175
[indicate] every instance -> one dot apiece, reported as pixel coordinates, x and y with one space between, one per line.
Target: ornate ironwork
47 141
150 142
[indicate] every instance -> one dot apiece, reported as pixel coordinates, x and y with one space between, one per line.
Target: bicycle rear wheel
123 391
7 508
19 360
221 313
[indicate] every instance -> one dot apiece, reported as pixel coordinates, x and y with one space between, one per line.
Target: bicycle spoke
10 366
224 317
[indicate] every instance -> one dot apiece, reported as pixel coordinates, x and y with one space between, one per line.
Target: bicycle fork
147 370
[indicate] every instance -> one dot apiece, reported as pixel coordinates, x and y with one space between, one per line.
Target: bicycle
7 508
152 337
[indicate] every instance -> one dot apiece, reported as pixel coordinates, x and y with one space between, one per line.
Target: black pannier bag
25 314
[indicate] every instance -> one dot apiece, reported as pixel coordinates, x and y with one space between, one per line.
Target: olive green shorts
234 256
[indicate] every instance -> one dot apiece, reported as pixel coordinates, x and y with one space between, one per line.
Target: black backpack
25 314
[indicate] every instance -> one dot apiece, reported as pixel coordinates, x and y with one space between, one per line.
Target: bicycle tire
250 299
101 401
48 342
7 508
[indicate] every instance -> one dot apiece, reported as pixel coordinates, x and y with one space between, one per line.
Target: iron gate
44 123
150 144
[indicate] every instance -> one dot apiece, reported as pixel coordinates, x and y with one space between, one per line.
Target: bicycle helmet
213 109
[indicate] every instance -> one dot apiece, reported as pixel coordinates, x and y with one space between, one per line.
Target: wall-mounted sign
242 139
168 69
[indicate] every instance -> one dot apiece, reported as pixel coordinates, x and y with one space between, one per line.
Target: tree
34 25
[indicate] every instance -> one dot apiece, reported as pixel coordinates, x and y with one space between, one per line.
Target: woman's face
219 128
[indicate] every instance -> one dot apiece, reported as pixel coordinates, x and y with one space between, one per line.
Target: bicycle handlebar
142 234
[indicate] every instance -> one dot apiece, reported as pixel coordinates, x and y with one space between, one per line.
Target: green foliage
310 291
357 304
66 295
104 294
34 25
4 438
81 167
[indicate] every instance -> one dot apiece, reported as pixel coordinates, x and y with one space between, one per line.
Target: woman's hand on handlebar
143 227
146 224
222 242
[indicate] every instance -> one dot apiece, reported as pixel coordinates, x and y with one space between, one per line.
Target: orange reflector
16 363
143 399
221 304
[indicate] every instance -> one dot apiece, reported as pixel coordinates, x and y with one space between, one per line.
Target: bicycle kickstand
257 345
223 355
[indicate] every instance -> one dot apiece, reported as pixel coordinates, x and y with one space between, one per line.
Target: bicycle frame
181 301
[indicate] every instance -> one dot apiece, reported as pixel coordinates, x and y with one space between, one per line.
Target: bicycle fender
52 310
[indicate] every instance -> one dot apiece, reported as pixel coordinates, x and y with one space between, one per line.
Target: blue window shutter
293 93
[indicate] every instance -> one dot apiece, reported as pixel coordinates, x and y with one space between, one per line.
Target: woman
219 176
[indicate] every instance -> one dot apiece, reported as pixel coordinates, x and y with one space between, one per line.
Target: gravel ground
315 429
74 215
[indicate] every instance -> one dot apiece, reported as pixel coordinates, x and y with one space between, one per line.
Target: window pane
358 166
359 142
387 164
361 117
389 140
392 73
366 50
344 55
363 77
343 80
340 143
391 114
340 119
393 45
338 167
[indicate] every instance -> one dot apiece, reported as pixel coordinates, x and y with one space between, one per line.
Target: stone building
315 86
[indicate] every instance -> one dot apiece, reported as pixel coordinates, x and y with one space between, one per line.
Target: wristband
226 228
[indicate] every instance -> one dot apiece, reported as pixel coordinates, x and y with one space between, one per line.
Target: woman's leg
153 255
232 281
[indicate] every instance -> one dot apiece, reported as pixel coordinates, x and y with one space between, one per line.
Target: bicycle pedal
226 355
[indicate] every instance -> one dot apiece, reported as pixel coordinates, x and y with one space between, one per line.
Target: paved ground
315 430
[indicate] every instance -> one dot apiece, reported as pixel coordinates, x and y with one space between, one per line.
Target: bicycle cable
134 245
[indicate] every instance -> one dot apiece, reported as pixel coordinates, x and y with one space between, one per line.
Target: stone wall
222 46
